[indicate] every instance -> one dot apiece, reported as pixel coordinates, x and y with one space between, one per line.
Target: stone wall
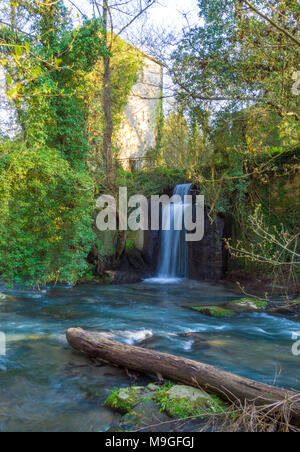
139 128
208 258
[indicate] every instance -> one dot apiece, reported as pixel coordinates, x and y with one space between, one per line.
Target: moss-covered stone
146 413
152 387
182 402
142 406
125 399
250 304
214 311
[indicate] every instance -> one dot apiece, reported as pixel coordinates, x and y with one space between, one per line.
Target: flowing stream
46 386
173 256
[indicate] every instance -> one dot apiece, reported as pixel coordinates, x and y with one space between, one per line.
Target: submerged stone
214 311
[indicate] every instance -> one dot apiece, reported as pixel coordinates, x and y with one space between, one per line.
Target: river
46 386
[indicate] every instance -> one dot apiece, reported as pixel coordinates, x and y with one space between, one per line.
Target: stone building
140 127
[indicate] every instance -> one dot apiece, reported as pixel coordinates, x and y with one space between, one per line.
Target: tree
236 58
111 13
47 193
117 17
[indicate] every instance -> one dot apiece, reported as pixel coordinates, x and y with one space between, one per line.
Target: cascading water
173 257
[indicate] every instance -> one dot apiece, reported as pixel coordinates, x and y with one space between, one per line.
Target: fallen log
228 386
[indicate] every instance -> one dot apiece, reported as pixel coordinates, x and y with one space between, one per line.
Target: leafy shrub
46 216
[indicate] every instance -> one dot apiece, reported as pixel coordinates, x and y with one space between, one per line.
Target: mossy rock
146 413
152 387
143 408
214 311
250 304
125 399
183 402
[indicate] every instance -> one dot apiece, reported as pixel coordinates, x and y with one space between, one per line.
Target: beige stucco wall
139 128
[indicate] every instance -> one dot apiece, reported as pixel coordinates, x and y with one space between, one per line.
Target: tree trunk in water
226 385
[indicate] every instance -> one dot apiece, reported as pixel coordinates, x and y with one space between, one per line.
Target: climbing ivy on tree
126 63
46 190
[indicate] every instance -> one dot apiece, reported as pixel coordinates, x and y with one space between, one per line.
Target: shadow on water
45 386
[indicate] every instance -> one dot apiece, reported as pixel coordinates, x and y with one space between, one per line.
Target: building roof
151 58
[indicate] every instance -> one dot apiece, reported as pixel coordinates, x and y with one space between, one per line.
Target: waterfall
173 256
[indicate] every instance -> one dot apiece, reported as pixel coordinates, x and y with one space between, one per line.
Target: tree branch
274 24
141 12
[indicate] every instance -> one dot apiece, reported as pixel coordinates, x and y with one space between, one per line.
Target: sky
167 13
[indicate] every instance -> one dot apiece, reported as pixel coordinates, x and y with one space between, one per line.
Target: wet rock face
208 257
144 415
133 260
123 277
151 249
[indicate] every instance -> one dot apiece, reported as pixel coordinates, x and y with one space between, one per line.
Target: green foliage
47 210
184 144
238 58
151 182
45 230
122 405
184 408
113 402
129 245
234 74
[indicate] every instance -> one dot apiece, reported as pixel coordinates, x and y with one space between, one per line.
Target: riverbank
260 284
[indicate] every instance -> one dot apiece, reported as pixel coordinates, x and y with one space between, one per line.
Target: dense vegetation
236 124
234 129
